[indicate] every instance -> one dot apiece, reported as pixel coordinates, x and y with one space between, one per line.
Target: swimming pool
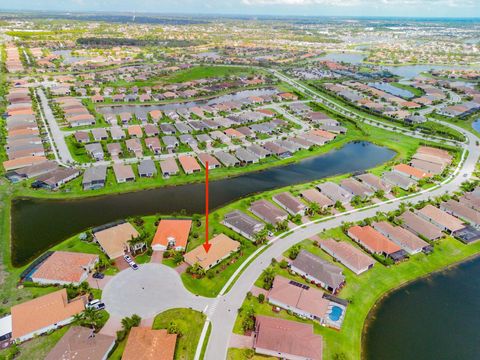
336 313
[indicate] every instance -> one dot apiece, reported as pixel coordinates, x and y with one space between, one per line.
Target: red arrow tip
207 246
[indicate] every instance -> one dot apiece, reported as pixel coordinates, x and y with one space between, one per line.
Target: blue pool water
335 313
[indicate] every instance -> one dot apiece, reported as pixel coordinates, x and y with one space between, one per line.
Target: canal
38 224
432 318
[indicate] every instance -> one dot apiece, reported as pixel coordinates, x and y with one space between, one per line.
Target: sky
395 8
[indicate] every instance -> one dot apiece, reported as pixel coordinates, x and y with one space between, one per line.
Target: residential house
123 173
375 243
95 150
286 339
227 159
64 268
441 219
172 233
411 172
408 241
268 212
207 158
81 343
147 168
243 224
356 188
347 254
462 211
221 248
335 192
94 177
147 344
43 314
189 164
419 226
315 196
169 167
290 203
114 239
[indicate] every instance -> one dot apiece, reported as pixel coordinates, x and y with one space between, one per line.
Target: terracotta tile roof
221 247
189 164
22 162
288 338
44 311
172 230
418 225
411 171
373 240
147 344
65 266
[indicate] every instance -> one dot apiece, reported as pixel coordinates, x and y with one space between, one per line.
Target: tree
268 276
380 194
135 241
129 322
313 208
261 237
294 251
173 328
261 298
177 257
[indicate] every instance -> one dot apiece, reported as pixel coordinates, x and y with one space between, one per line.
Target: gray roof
320 269
397 179
226 158
334 192
147 167
188 139
240 221
94 173
246 156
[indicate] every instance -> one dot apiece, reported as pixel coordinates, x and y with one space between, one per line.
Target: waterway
432 318
38 224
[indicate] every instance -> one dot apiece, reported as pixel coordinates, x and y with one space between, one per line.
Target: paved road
225 312
55 133
148 291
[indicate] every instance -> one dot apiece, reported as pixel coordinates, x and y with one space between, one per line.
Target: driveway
148 291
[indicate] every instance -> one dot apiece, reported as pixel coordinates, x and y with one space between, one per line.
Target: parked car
98 275
133 265
96 305
127 258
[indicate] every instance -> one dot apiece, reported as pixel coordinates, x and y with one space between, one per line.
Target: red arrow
206 245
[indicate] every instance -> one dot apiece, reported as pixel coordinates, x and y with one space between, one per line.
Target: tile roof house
189 164
226 158
169 167
304 301
408 241
243 224
286 339
290 203
441 219
375 243
318 271
315 196
153 143
353 258
64 268
419 226
114 240
123 173
399 179
246 157
94 177
356 188
171 233
147 168
44 313
268 212
335 192
411 172
221 248
212 162
81 343
147 344
463 211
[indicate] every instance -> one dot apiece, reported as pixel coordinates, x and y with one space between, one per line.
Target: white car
127 258
133 265
96 305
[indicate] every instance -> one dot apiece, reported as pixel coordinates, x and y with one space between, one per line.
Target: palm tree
268 276
135 241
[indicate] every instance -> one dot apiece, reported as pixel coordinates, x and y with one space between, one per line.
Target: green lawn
36 348
204 72
190 324
242 354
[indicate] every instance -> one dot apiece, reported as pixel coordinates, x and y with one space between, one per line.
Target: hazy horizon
312 8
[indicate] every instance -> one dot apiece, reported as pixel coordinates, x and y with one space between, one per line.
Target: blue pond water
405 94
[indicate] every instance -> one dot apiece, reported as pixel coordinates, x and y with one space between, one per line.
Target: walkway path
59 146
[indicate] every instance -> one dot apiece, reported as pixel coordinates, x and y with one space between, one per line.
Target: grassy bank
189 324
